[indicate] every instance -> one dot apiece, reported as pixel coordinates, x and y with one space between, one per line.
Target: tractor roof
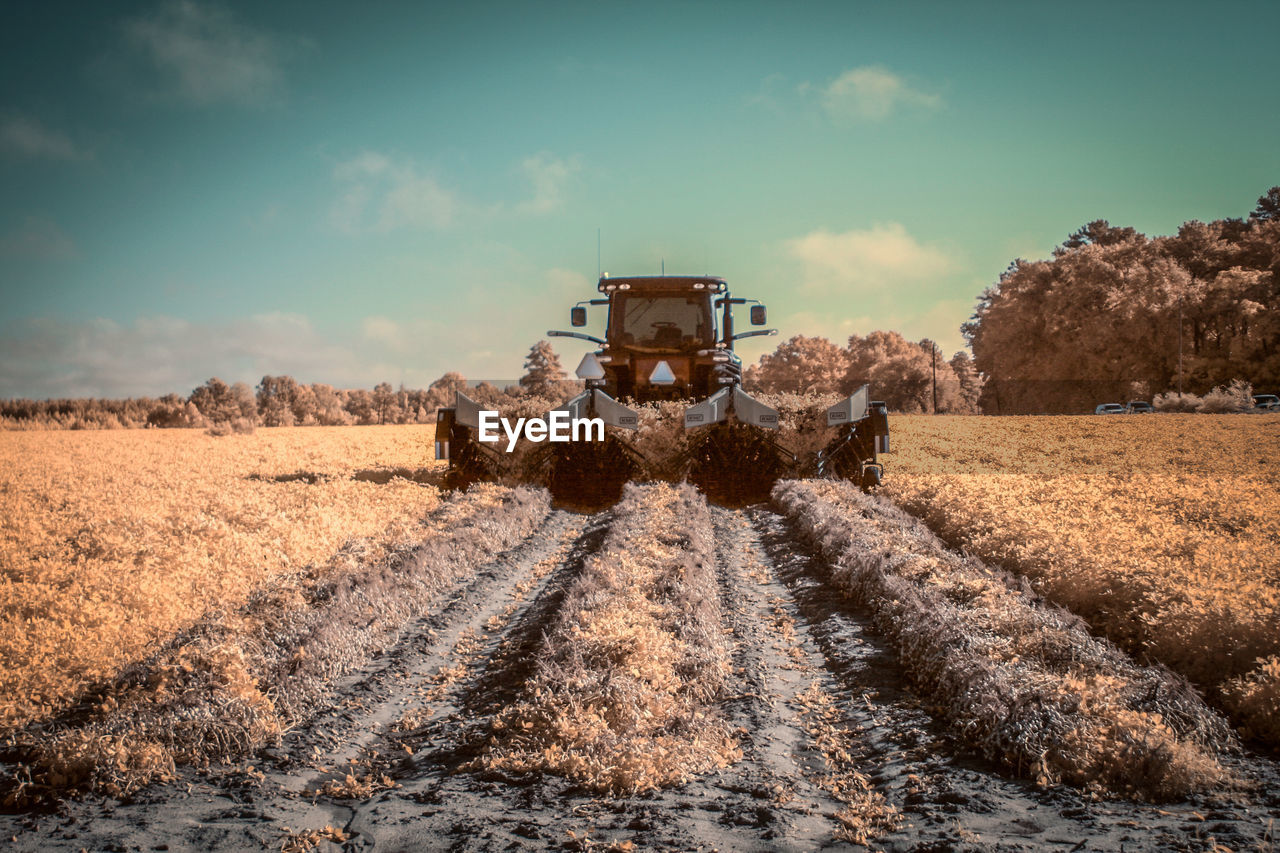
662 283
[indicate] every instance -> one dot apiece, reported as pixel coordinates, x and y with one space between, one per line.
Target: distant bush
1236 397
1175 402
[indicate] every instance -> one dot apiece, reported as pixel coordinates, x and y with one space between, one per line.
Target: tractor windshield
670 321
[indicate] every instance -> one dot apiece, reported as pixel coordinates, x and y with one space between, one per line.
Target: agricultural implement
669 338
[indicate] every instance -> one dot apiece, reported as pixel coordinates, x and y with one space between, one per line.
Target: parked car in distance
1139 407
1109 409
1266 403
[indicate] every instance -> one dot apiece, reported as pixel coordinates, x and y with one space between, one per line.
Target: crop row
1161 532
239 678
1027 684
623 696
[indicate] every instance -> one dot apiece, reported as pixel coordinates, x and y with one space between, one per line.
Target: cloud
415 338
380 194
386 331
158 354
937 320
37 238
833 325
872 92
866 261
204 55
26 137
771 94
549 176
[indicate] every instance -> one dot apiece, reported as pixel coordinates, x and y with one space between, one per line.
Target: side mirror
758 315
578 316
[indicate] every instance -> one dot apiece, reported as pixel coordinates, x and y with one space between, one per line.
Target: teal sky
190 189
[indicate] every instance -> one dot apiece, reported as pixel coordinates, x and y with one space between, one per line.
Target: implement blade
467 411
749 410
712 410
597 404
851 409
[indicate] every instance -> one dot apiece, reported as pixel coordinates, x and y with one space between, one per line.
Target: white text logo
557 426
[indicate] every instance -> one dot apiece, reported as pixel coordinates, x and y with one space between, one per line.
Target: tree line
276 401
1113 315
281 401
909 376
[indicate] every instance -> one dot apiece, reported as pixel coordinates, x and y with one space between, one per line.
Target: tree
305 406
246 404
970 383
1113 313
899 372
1099 232
276 395
542 371
360 406
1268 206
216 401
385 403
800 365
443 392
169 411
330 406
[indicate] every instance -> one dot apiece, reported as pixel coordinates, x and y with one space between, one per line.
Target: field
293 638
1160 531
110 542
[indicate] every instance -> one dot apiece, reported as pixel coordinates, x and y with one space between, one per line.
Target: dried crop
662 449
237 679
623 695
1160 531
1025 683
112 541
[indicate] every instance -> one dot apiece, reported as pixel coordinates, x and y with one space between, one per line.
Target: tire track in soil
952 798
797 640
436 805
254 805
780 667
771 800
428 682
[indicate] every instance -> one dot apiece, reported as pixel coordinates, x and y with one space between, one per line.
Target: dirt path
836 746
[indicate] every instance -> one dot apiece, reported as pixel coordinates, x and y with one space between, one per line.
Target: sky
386 192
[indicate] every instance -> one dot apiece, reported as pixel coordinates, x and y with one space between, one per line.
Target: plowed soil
838 744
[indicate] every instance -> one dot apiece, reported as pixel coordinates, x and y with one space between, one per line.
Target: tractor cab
666 321
667 337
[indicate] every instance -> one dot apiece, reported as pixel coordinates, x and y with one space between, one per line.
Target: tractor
671 338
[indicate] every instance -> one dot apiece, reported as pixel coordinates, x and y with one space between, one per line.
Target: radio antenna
664 266
598 267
